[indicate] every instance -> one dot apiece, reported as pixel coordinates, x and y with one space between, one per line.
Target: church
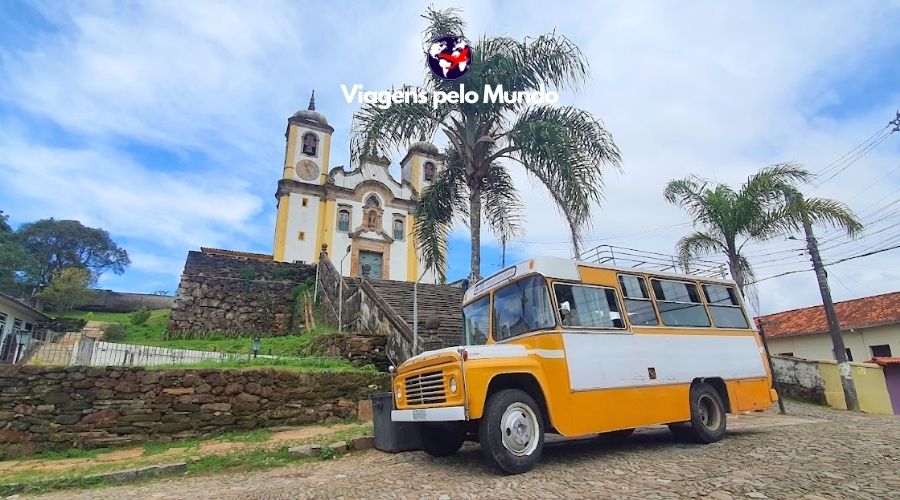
365 216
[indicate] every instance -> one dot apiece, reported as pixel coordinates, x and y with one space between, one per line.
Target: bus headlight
453 385
399 392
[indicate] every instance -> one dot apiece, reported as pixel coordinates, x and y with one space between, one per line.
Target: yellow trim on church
412 256
324 232
281 227
326 152
416 167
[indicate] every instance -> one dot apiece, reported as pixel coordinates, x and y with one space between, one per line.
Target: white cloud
713 89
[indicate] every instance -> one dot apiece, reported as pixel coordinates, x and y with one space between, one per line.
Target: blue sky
163 122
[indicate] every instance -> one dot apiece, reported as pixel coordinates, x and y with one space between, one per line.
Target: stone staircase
440 312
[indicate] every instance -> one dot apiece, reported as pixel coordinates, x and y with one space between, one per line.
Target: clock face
307 170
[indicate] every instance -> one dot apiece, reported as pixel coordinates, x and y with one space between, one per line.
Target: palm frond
438 206
502 206
377 131
696 245
832 213
442 23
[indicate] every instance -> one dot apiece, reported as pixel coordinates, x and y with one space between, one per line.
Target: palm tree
730 219
564 148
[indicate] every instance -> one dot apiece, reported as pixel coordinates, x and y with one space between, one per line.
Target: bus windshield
476 317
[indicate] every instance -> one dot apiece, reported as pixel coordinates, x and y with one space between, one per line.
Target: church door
370 265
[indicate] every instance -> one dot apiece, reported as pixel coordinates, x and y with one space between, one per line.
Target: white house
17 320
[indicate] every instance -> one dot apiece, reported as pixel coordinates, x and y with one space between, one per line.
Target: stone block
100 417
364 410
339 448
310 451
363 443
178 391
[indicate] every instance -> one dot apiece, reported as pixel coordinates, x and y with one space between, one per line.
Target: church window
305 201
398 229
301 235
310 144
344 220
372 201
428 170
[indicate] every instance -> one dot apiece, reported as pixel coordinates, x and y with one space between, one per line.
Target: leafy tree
58 244
562 147
4 223
767 205
16 264
68 290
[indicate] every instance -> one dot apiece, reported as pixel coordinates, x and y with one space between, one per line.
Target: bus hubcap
519 429
709 412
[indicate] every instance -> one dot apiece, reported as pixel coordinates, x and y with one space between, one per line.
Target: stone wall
44 408
359 350
226 294
799 379
110 301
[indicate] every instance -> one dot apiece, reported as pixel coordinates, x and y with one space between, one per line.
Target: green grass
293 364
152 333
70 453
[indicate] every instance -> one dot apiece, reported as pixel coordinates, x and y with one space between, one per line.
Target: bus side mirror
565 309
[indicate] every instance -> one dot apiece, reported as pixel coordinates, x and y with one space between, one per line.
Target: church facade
364 216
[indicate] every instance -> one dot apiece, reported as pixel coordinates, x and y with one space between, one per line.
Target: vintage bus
555 345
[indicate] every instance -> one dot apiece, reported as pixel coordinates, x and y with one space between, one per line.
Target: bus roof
567 269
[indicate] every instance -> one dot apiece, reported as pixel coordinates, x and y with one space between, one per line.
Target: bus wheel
511 431
442 440
707 423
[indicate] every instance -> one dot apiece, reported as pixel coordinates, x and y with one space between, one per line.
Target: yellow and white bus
555 345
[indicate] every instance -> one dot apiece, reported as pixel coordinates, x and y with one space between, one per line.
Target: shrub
140 316
114 332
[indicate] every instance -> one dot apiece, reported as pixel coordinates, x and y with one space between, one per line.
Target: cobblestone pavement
813 453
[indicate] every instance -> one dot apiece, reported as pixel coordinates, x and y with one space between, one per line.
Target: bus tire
511 431
708 416
442 440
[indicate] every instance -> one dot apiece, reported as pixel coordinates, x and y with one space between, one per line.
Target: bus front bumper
446 414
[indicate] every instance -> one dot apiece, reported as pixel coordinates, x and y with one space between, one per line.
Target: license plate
418 415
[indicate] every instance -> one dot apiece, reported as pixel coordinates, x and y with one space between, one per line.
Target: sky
163 122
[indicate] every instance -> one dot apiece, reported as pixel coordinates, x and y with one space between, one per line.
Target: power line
866 254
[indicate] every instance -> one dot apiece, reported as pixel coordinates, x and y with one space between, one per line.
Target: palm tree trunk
475 227
734 266
840 352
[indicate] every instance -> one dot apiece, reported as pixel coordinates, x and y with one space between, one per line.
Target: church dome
315 116
424 147
310 112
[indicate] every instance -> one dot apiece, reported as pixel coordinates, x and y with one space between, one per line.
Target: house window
847 350
398 229
310 144
344 220
881 351
301 235
679 303
428 170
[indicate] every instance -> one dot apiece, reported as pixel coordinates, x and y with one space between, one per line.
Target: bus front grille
425 388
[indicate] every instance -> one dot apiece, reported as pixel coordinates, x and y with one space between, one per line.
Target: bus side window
637 301
679 303
724 307
588 306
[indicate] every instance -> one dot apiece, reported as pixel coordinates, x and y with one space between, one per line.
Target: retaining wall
44 408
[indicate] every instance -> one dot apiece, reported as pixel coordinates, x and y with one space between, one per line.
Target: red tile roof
886 361
857 313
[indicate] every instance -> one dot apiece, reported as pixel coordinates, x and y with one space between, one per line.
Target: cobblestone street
812 453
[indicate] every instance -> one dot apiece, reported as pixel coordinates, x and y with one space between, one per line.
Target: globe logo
449 57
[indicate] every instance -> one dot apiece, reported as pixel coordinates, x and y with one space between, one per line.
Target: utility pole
775 384
840 352
896 123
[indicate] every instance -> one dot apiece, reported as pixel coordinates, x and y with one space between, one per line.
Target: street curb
118 476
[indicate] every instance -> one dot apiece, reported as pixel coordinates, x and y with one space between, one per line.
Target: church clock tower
300 222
